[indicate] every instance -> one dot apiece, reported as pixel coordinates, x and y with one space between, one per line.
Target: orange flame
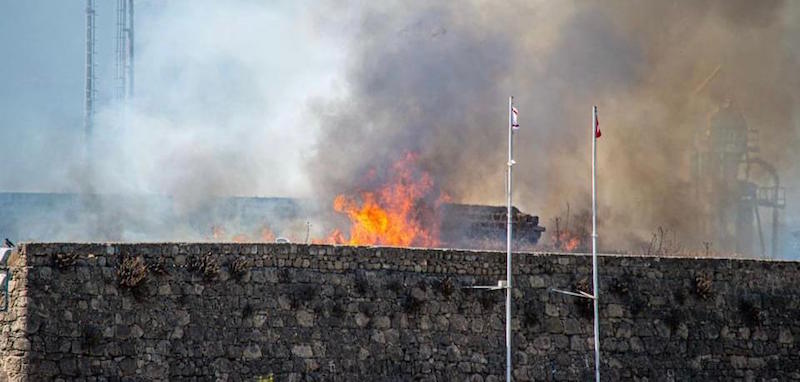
567 241
218 234
572 243
267 236
396 214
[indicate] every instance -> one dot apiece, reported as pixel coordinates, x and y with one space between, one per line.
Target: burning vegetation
263 235
402 211
409 210
571 233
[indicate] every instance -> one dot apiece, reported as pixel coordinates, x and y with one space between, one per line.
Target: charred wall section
240 312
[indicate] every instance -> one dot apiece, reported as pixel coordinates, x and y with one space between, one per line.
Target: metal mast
595 279
124 51
89 91
130 49
595 296
119 91
510 164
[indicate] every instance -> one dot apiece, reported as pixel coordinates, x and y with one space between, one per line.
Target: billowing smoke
220 109
220 105
303 100
433 78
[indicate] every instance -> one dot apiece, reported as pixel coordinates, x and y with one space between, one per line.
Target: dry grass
131 271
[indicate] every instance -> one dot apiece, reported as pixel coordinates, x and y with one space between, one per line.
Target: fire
567 241
574 234
267 236
218 234
399 213
335 237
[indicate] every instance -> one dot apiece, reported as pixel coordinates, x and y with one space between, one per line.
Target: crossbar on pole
580 293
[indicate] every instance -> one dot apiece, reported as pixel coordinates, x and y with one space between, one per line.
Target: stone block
303 351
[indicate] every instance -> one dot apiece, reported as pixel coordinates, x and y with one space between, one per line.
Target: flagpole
508 241
594 249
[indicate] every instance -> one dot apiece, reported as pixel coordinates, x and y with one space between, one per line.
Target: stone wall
245 312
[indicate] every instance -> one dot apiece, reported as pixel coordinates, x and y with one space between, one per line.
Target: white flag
514 115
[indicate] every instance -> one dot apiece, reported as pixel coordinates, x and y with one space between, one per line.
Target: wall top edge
32 248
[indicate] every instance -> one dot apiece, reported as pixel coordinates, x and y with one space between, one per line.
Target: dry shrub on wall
131 271
206 265
64 260
239 267
703 284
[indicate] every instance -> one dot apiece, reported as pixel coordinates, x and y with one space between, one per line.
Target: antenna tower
89 92
125 74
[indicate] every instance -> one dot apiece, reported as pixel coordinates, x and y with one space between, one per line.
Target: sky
222 88
41 97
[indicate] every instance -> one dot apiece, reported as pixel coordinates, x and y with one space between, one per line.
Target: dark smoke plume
433 78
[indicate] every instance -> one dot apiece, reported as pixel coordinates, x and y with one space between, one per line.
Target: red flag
597 133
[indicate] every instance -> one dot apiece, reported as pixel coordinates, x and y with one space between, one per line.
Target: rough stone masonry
106 312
